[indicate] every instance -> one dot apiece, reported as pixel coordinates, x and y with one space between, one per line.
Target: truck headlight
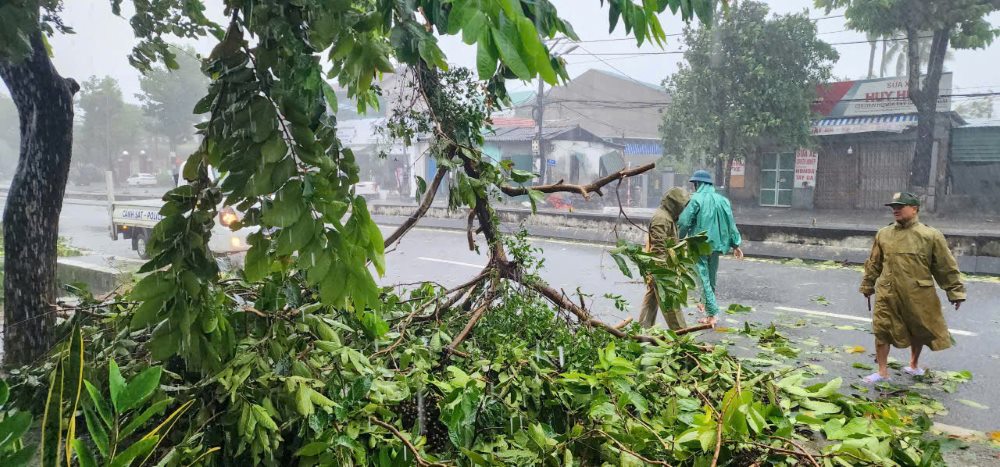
228 217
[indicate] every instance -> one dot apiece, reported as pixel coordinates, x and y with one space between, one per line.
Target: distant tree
748 79
960 23
168 97
976 108
109 124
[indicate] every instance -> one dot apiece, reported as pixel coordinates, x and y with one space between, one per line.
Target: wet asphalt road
818 308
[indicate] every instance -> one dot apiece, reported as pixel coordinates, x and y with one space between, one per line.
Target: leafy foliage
302 358
736 91
13 425
667 272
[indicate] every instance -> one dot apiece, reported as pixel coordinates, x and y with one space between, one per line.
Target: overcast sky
102 42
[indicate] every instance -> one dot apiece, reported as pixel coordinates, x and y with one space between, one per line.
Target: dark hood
674 201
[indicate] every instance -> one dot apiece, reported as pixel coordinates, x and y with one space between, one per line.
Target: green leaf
274 149
83 454
4 392
257 263
263 418
99 403
973 404
303 400
146 313
139 389
154 285
312 449
474 28
521 176
421 187
622 265
264 119
52 420
139 448
156 408
486 55
116 385
288 206
98 434
13 427
506 39
535 197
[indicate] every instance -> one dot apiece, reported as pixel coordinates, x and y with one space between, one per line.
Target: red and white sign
883 96
805 168
737 169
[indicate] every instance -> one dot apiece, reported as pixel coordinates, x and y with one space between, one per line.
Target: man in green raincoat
663 226
905 257
711 213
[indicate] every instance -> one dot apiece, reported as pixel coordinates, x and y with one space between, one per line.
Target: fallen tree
301 357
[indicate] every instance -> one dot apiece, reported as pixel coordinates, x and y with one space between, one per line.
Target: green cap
904 199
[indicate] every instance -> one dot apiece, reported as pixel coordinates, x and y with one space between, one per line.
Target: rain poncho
662 227
711 213
905 260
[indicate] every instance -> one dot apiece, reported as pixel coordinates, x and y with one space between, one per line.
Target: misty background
130 123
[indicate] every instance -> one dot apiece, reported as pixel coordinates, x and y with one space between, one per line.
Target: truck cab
135 220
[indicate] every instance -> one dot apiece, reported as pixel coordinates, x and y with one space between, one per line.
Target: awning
848 125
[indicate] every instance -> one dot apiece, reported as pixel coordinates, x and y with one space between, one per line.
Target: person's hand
738 253
957 303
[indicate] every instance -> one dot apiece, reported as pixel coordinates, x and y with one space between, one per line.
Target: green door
777 176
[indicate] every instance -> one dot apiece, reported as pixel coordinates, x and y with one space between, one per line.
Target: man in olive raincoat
711 213
662 226
906 258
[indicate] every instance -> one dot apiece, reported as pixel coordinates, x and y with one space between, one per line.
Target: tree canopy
109 126
747 81
959 24
168 95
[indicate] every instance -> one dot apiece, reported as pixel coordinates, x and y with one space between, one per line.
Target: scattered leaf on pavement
973 404
854 349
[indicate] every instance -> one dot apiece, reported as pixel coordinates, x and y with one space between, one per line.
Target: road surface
818 308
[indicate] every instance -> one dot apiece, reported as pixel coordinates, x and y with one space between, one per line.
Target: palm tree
872 41
895 47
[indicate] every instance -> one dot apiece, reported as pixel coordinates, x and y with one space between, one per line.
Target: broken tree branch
468 230
584 190
416 453
425 204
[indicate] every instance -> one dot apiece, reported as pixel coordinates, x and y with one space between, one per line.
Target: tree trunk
44 102
871 60
924 96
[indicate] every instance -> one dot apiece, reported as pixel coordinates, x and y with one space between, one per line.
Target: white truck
134 220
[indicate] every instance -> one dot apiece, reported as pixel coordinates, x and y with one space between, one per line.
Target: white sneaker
914 371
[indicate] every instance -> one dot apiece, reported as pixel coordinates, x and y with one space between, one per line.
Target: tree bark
924 96
44 102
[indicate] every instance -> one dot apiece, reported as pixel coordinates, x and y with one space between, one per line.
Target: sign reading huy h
883 96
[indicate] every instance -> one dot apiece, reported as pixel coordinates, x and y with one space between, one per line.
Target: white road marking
456 263
957 332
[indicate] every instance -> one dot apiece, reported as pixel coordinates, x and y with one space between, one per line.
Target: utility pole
538 145
539 119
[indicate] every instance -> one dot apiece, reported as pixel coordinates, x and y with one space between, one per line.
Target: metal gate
777 176
884 170
836 177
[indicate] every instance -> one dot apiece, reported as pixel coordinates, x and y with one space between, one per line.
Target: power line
677 34
669 52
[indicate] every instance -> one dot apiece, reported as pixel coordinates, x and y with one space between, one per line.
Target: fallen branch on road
584 190
425 204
